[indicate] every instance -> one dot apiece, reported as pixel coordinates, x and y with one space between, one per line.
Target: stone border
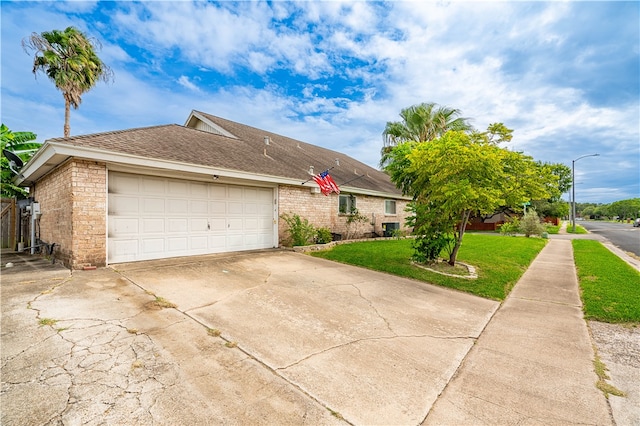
472 271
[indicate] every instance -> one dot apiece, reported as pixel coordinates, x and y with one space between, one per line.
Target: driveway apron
369 347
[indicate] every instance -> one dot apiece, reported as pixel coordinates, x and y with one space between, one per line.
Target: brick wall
73 200
322 211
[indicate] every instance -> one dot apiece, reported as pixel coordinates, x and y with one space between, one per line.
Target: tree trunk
67 115
463 225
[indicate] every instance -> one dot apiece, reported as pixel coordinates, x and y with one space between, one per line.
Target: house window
346 203
389 207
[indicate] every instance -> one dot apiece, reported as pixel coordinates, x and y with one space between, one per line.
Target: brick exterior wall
73 202
322 211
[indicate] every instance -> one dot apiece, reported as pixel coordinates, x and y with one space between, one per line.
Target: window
346 203
389 207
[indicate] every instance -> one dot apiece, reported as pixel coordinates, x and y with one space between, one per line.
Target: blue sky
563 75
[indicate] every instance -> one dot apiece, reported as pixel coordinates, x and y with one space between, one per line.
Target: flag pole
330 168
351 180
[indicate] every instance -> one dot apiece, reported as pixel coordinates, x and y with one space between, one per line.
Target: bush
428 247
323 236
510 228
530 224
301 232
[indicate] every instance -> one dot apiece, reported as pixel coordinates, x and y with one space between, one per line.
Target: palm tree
421 123
20 144
69 59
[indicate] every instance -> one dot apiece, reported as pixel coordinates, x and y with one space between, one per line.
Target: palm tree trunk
67 115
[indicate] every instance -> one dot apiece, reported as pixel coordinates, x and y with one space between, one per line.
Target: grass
47 321
499 261
579 229
610 287
552 229
602 384
163 303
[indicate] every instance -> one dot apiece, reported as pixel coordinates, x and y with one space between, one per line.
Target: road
623 235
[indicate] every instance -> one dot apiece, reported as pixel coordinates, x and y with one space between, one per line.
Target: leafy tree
625 209
20 144
69 59
457 176
496 133
421 123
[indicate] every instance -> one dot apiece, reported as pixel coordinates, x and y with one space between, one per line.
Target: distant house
210 186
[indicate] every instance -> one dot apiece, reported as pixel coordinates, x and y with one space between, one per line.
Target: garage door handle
208 226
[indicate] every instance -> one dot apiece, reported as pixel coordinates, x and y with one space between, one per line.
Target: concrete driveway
302 341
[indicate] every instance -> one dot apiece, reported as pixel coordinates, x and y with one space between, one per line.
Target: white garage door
154 217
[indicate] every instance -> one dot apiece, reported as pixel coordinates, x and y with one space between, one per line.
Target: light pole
573 188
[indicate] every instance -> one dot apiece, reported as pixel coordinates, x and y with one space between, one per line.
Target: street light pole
573 188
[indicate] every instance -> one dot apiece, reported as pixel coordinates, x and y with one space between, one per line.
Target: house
209 186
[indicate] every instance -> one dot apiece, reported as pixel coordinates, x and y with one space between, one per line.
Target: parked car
636 223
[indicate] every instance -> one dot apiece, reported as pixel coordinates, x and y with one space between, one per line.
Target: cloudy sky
563 75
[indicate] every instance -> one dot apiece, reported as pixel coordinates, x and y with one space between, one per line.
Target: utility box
389 227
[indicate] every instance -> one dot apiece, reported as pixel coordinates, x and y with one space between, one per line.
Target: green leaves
18 143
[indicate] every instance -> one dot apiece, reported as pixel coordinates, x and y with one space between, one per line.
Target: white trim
53 154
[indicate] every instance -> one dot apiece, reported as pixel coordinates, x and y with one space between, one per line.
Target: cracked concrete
317 343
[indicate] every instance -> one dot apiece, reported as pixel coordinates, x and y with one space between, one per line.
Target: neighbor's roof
221 147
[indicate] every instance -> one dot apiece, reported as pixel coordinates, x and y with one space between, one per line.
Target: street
623 235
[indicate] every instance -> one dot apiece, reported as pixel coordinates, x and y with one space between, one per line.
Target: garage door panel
198 225
199 190
178 225
177 207
152 185
152 246
123 226
153 225
218 224
155 217
199 243
127 250
178 245
123 205
198 207
153 206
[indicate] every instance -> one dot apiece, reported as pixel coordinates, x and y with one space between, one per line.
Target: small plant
398 234
137 364
164 303
530 224
601 372
300 230
354 219
132 330
214 332
511 227
47 321
323 236
231 344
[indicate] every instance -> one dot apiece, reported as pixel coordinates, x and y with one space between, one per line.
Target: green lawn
499 261
579 229
610 287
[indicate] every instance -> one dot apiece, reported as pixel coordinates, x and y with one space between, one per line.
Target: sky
563 75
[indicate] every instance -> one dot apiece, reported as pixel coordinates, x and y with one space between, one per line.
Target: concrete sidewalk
533 364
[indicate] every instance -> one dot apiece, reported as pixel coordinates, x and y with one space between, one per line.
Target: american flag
326 183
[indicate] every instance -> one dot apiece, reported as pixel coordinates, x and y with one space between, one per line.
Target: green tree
69 59
457 176
421 123
20 143
625 209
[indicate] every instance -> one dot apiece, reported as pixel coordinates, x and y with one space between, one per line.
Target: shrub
530 224
300 230
323 236
510 228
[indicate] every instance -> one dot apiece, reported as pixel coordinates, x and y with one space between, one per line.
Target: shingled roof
228 145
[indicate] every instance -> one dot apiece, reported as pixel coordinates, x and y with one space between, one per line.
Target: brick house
210 186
